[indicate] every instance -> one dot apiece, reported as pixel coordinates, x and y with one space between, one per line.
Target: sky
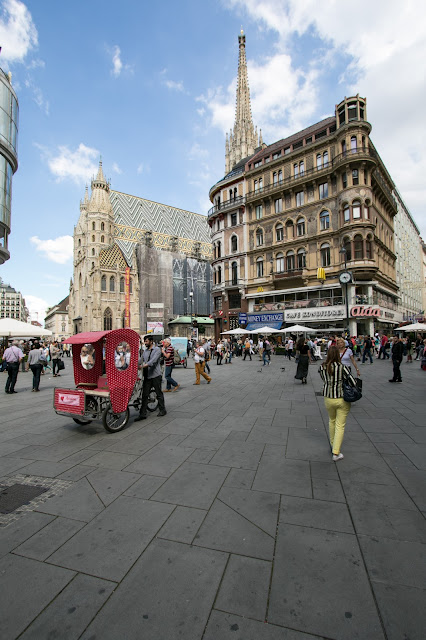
150 88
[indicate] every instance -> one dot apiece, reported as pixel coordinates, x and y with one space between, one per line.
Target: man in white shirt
290 345
12 356
199 364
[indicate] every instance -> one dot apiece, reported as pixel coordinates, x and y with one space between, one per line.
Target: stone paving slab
175 534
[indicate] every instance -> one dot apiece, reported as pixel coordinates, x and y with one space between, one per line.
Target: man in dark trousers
397 353
12 356
152 376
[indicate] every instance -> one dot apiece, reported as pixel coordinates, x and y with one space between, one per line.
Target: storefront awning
257 325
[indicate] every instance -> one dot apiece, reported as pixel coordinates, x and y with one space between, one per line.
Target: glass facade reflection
9 111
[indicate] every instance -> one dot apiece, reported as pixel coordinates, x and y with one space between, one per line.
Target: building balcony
234 203
316 173
289 274
228 284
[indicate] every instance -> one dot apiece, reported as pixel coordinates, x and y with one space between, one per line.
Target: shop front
370 319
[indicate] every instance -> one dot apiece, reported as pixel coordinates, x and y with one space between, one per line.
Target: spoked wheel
92 406
152 401
114 422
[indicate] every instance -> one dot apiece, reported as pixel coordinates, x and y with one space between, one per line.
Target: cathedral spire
243 139
99 200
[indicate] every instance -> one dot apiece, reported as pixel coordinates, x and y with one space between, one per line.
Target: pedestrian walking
397 355
247 349
35 365
219 352
302 352
169 363
12 356
199 364
346 355
150 365
333 372
290 346
206 347
267 349
368 345
55 354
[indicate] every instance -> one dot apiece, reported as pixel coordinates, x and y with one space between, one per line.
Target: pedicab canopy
121 363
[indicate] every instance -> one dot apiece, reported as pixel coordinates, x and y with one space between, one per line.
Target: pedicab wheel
81 422
185 363
114 422
152 401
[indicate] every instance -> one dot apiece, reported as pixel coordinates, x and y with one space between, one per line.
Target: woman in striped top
333 372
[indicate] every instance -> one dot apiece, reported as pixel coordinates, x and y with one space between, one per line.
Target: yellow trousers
199 370
338 411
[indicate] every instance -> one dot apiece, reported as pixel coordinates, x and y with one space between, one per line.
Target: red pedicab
103 396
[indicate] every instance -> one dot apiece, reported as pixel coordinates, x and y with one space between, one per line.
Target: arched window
275 178
302 168
356 209
301 227
280 175
301 259
103 283
79 242
219 274
102 238
234 273
279 263
112 283
289 229
353 144
107 319
346 213
325 255
259 268
121 285
324 220
358 248
234 244
325 158
348 246
296 169
319 161
130 285
93 238
259 237
102 226
93 252
290 261
93 226
279 232
218 250
80 281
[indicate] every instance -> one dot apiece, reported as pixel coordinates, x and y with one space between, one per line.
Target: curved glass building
9 110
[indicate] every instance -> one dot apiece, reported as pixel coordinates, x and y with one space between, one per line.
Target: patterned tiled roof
134 216
109 257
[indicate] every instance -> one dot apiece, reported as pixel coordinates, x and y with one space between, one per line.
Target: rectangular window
323 190
302 168
300 198
257 164
324 221
325 158
355 179
298 145
233 219
308 140
234 300
325 257
344 180
259 212
296 170
278 205
287 151
218 303
319 161
276 155
259 268
275 178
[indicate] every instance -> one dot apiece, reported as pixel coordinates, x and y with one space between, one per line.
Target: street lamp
345 277
191 297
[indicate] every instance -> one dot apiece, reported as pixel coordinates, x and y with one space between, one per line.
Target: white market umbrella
11 328
297 328
417 326
264 330
235 332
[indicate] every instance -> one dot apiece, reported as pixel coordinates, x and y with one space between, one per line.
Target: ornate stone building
164 252
288 220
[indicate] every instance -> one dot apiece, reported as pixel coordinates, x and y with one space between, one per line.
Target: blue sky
150 87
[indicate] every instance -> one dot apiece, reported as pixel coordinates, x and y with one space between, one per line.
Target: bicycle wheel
152 401
114 422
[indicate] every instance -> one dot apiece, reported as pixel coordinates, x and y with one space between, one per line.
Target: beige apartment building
303 229
56 320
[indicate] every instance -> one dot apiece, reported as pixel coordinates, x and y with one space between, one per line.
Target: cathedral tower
243 140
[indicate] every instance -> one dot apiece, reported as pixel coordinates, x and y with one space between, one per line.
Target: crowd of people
34 355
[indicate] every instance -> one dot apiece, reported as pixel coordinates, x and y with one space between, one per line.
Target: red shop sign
365 311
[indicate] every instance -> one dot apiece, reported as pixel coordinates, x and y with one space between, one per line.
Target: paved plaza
225 519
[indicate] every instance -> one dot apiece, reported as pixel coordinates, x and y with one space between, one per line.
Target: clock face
345 277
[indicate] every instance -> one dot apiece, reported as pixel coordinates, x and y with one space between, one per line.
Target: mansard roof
133 215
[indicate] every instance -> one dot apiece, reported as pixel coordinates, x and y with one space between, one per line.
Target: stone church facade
165 251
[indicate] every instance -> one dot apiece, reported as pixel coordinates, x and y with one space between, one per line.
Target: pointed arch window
219 274
234 244
234 273
259 268
112 283
93 226
107 319
279 232
93 238
121 285
290 260
79 242
301 227
93 252
218 250
102 239
102 226
324 220
289 228
325 255
103 283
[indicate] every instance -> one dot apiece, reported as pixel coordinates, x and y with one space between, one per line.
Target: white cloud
117 64
76 165
18 34
59 250
37 307
37 96
116 168
143 168
173 85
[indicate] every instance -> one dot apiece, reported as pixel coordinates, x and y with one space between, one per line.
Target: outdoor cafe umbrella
11 328
236 332
417 326
264 331
297 328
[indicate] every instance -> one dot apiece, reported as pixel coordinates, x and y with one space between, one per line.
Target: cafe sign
363 311
316 314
